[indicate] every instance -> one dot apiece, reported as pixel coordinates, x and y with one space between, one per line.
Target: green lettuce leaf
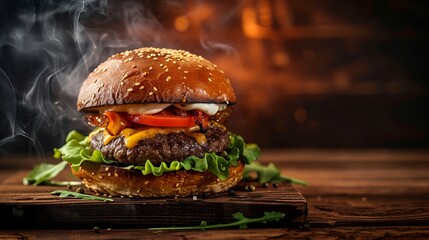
43 173
269 173
77 150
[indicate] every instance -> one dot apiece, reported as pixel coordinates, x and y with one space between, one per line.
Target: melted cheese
133 136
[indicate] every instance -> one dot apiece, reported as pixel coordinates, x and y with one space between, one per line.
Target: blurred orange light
181 24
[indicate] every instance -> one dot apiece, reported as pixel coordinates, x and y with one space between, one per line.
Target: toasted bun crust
116 181
152 75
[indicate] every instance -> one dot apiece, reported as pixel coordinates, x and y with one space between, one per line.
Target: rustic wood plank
33 207
398 232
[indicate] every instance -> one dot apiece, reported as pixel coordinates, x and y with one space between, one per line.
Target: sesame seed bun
117 181
152 75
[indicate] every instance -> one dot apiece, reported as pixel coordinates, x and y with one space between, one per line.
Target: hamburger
159 127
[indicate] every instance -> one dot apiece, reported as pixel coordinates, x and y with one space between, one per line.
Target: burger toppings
159 144
171 117
152 108
77 151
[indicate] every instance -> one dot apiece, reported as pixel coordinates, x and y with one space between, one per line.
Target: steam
214 43
49 47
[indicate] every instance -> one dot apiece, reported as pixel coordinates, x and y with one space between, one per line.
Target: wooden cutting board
27 207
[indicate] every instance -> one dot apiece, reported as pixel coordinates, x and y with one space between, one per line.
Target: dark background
308 74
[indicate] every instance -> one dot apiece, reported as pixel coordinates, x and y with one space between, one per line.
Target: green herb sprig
43 174
241 222
269 173
64 193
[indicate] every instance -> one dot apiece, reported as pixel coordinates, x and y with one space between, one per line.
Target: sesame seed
184 77
122 83
167 60
156 89
209 79
185 71
174 62
150 68
151 93
200 66
125 75
210 74
106 169
166 70
137 84
144 74
194 198
208 69
177 184
141 88
148 56
156 59
104 69
109 174
161 64
92 173
102 84
93 95
95 81
129 89
146 183
100 177
116 175
138 191
134 66
168 78
179 68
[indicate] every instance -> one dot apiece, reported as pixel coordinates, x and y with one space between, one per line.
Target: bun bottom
115 181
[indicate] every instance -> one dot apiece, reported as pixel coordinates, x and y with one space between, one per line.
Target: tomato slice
162 120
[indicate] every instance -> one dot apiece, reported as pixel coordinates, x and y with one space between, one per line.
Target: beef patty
161 147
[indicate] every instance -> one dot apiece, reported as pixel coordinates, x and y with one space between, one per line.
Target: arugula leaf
77 150
241 222
269 173
64 193
43 173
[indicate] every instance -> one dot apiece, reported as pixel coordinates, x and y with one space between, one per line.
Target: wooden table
364 194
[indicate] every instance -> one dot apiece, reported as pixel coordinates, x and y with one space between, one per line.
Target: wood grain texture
33 207
353 194
399 232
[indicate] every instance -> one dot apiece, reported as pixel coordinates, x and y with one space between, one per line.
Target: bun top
152 75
